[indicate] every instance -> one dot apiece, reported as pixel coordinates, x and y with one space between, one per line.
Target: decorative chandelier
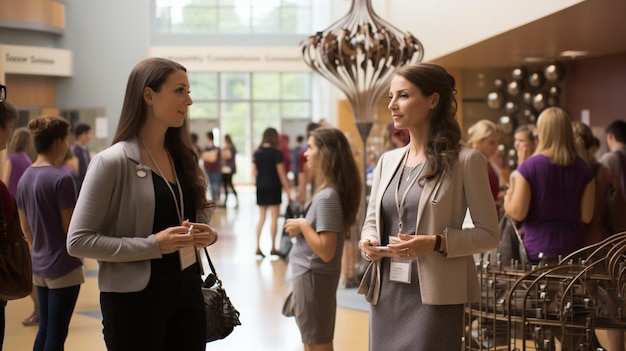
359 54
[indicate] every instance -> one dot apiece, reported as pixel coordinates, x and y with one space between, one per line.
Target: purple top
42 193
553 225
19 163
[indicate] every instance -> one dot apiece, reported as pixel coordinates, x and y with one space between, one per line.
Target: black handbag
221 316
16 272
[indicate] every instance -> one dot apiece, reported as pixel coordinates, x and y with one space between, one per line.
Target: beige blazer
450 278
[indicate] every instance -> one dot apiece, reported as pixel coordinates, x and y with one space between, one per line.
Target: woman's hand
292 226
411 246
173 238
372 251
203 234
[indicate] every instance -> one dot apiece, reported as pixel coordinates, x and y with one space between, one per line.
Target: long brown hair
445 133
270 136
153 72
338 170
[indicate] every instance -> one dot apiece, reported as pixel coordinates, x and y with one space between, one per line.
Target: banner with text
36 60
234 59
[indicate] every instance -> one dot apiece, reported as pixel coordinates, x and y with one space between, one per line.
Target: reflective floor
257 287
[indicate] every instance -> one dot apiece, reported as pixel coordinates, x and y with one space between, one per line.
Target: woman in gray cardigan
413 227
142 213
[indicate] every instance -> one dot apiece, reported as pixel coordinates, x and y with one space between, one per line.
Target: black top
266 159
167 269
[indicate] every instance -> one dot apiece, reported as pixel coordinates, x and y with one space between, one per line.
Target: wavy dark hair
444 137
153 72
338 170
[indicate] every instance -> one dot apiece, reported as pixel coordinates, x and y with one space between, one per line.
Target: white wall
445 26
107 39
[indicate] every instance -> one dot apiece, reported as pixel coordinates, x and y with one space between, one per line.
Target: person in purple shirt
18 159
554 191
46 197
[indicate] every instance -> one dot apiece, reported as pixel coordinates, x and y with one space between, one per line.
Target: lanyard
180 204
400 204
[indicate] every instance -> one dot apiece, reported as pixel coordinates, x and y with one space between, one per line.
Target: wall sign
36 60
234 59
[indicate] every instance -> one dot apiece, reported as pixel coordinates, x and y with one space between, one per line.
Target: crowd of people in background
560 195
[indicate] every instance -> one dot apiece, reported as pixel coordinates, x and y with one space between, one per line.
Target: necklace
402 201
180 203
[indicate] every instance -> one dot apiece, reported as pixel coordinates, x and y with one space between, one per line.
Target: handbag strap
208 258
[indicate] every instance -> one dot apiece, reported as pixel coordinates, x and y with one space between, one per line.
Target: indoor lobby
248 70
257 288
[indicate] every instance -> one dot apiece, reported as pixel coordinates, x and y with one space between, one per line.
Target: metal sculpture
527 307
359 54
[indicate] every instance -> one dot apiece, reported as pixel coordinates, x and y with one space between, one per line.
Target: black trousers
163 317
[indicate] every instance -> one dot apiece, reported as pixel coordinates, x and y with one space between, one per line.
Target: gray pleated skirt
401 322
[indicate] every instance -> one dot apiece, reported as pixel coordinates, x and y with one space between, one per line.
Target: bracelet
437 243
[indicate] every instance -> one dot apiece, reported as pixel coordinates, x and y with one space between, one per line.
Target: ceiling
595 26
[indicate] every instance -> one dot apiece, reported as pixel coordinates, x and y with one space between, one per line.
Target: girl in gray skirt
315 258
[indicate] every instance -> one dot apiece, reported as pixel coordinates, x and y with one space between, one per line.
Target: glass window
204 110
295 86
266 86
234 16
295 109
235 86
244 104
267 110
204 86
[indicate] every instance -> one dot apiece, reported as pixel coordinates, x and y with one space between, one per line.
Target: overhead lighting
534 59
573 53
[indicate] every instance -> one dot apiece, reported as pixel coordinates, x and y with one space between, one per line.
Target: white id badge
187 257
400 271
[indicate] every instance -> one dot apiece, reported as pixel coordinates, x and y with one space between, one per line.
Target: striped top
324 214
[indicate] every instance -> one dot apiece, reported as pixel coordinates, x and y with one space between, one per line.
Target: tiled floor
256 287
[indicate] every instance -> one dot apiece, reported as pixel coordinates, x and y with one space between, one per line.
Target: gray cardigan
113 218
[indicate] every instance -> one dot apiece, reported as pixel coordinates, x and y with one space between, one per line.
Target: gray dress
400 321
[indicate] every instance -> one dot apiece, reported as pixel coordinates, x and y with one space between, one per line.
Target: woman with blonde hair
484 136
315 258
554 192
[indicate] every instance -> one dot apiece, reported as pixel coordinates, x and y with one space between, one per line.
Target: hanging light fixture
359 54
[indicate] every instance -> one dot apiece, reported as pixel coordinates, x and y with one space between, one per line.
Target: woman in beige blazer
417 284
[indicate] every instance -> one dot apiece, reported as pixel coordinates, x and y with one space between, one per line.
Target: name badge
187 257
400 271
